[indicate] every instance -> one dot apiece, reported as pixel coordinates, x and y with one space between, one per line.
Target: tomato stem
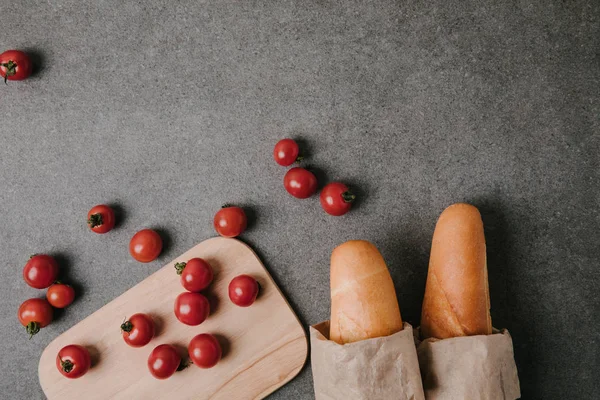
11 69
348 196
126 326
66 366
95 220
184 364
32 328
179 267
299 158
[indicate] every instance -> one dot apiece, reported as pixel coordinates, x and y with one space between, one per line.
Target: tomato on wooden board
300 183
73 361
40 271
286 152
336 198
204 350
196 274
138 330
60 295
163 361
145 246
35 314
15 65
243 290
101 218
230 221
191 308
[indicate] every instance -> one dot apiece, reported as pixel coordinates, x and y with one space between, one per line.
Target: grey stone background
168 109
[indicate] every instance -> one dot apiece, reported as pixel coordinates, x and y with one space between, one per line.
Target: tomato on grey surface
40 271
286 152
15 65
196 274
73 361
230 221
300 183
204 350
243 290
60 295
138 330
101 218
35 314
336 198
145 245
191 308
163 361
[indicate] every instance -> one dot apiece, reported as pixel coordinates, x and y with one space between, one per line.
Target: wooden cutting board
264 345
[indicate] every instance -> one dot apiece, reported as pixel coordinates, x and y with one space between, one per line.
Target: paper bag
384 368
469 367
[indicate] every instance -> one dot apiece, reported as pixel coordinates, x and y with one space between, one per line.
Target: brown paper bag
384 368
470 367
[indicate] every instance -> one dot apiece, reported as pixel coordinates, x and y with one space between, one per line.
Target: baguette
363 298
457 300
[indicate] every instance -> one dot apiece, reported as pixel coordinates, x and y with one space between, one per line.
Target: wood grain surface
264 345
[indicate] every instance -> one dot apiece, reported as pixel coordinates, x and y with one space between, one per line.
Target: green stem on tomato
95 220
66 366
348 196
179 267
126 326
32 328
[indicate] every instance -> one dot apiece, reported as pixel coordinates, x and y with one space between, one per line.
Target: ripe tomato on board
191 308
145 246
243 290
230 221
73 361
60 295
164 361
101 218
286 152
336 198
138 330
35 314
15 65
40 271
204 350
196 274
300 183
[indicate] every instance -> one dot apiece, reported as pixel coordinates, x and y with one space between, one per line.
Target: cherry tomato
286 152
230 221
300 183
191 308
101 218
40 271
196 274
204 350
138 330
243 290
15 65
73 361
35 314
60 295
336 198
164 361
145 246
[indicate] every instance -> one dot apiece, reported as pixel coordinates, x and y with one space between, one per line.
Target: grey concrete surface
169 109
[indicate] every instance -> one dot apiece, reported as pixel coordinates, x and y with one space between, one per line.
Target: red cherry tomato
230 221
35 314
300 183
73 361
196 274
60 295
204 350
336 198
243 290
40 271
101 218
138 330
145 246
164 361
15 65
191 308
286 152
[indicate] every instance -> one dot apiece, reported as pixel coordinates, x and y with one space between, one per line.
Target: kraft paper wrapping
470 367
384 368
